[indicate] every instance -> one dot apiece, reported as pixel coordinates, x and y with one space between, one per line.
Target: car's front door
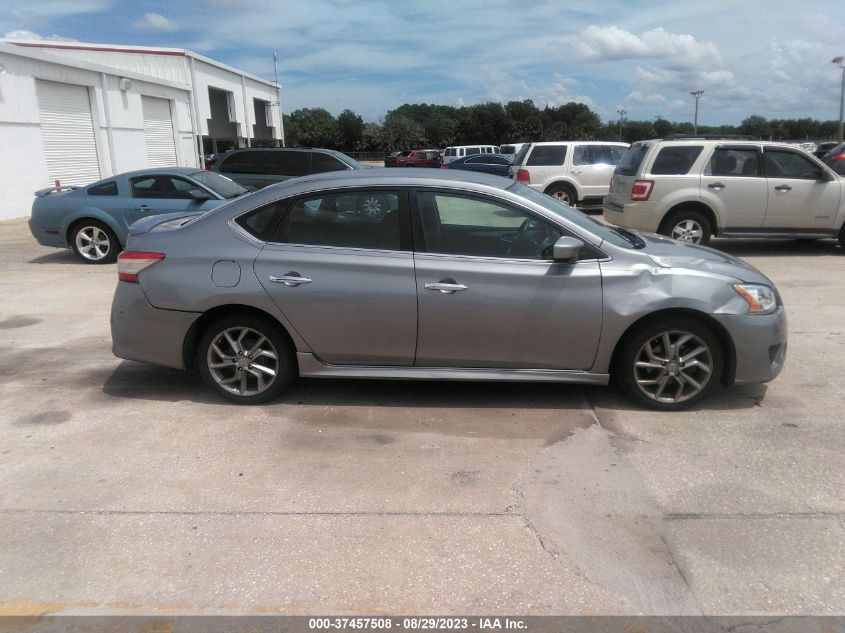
160 193
592 166
800 196
489 293
339 267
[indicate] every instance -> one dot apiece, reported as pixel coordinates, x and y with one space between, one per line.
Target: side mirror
566 249
827 176
199 194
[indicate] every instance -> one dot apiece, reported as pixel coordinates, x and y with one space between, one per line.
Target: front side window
786 164
360 219
324 162
463 225
547 155
161 187
675 160
733 162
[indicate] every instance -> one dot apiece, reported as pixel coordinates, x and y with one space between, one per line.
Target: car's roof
397 177
580 143
156 170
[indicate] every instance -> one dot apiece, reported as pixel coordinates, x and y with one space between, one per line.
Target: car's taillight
641 189
522 175
130 263
444 166
838 157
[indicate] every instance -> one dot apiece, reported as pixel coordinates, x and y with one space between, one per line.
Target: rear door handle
445 287
783 188
716 185
290 279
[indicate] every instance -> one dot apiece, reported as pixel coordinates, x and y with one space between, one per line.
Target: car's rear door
732 183
343 275
489 293
592 166
248 168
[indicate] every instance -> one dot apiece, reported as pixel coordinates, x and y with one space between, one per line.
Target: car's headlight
760 299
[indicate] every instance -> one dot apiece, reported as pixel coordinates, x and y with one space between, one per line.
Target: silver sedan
430 274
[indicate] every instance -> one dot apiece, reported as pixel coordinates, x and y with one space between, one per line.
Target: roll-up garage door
158 133
68 133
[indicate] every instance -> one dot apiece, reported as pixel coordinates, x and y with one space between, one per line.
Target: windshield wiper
635 240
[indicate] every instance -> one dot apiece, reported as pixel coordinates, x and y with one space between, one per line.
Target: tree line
423 125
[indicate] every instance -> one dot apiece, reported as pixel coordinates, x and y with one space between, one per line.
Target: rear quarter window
675 161
104 189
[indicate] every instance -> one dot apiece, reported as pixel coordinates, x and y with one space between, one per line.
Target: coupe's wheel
670 364
94 242
687 226
373 206
245 359
564 194
842 237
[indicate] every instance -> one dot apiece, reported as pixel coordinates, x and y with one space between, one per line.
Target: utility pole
279 100
840 61
622 114
696 95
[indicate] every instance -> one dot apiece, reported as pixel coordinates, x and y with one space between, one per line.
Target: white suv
574 172
693 188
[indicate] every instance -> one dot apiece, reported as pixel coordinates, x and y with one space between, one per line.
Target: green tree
350 130
313 127
756 125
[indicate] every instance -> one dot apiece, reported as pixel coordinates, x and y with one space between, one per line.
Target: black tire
93 242
683 224
240 367
842 237
563 193
635 381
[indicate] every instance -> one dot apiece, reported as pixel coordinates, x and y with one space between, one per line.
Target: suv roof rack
710 137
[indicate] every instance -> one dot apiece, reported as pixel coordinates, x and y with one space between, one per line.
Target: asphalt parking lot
128 489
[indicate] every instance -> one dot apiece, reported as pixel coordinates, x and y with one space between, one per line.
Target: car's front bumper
760 344
145 333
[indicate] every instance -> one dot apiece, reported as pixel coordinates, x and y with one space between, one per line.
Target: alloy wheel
673 366
93 243
688 231
242 361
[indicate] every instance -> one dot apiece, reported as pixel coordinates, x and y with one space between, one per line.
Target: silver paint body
368 313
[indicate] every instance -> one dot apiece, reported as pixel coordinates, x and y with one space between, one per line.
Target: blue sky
767 57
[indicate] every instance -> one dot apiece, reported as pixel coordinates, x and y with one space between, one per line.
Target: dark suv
258 167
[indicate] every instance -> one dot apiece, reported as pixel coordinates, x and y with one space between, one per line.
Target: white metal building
74 113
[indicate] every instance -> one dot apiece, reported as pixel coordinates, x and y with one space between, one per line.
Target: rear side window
630 163
105 189
261 222
675 161
245 163
285 163
324 162
733 162
547 155
361 219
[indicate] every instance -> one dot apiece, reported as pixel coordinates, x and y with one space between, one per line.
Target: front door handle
783 188
446 286
716 185
292 279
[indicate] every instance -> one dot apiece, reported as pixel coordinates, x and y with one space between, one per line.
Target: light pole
840 61
278 102
622 114
696 95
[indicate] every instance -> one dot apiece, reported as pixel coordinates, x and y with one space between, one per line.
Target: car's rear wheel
94 242
563 193
669 364
245 359
687 225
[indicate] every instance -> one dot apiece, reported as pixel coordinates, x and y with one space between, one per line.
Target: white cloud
23 34
155 22
608 43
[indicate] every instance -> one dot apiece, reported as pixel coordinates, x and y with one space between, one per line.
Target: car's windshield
624 239
220 185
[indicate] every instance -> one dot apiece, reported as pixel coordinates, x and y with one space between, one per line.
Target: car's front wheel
94 242
670 363
245 359
687 226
